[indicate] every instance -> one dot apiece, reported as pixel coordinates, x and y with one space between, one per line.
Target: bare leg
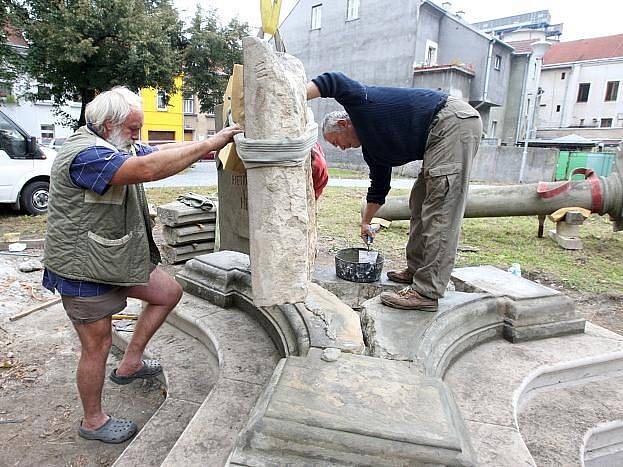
95 339
161 294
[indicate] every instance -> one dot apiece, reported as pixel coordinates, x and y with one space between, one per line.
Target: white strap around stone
285 152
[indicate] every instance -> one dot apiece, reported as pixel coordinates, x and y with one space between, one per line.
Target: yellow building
163 123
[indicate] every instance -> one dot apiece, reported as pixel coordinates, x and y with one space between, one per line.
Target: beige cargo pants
438 197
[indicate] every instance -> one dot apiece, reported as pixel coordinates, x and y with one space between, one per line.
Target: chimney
447 6
460 14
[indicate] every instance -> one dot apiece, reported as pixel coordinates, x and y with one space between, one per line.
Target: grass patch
346 173
499 241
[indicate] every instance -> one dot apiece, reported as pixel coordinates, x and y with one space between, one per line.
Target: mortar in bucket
348 266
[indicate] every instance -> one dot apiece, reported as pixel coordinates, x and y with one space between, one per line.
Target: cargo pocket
110 260
442 184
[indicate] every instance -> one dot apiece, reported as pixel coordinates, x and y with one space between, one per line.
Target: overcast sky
582 19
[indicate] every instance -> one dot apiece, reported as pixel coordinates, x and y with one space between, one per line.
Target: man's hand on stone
225 136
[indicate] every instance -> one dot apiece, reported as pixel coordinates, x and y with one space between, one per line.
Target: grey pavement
204 174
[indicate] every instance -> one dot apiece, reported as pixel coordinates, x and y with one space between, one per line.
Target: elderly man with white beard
99 249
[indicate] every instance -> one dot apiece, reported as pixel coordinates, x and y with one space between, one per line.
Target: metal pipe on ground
601 195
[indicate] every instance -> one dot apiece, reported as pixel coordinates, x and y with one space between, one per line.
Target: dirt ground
39 406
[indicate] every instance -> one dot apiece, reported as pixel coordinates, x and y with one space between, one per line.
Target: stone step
495 382
463 320
573 409
216 363
187 382
246 360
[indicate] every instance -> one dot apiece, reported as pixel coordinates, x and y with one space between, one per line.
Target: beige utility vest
105 239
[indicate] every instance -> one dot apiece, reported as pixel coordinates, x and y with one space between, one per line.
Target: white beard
117 140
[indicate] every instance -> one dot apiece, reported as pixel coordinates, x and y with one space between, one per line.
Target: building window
44 93
605 123
581 122
563 75
161 100
47 131
494 127
583 91
612 90
352 10
5 90
189 104
557 108
498 62
316 16
430 59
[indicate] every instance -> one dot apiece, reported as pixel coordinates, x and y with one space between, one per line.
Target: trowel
368 256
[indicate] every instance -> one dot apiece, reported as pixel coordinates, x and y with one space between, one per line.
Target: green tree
11 59
210 53
82 47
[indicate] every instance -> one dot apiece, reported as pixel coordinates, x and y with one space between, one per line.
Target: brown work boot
403 276
408 299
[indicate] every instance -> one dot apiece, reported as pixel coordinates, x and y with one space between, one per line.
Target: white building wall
32 115
565 93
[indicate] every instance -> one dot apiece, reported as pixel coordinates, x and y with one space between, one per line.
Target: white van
24 168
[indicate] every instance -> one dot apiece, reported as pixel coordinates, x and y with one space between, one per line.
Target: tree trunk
87 96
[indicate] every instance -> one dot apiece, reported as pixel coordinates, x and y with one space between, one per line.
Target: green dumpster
600 162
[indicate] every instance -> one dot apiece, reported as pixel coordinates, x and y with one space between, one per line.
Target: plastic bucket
348 267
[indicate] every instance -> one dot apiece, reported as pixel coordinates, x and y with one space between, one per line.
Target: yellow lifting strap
271 9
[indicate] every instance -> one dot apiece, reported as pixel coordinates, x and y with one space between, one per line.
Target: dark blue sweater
392 123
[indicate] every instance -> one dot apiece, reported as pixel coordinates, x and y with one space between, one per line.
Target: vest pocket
112 260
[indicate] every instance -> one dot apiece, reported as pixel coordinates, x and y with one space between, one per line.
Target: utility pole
538 51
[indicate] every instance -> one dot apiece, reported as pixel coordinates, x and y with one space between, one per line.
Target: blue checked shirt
91 169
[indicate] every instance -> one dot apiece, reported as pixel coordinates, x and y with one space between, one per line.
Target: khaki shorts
85 310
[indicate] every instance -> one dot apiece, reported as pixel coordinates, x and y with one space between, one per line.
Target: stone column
275 147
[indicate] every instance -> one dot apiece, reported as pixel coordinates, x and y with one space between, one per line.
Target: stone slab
176 213
179 254
463 320
332 323
531 311
353 411
494 281
193 233
566 242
